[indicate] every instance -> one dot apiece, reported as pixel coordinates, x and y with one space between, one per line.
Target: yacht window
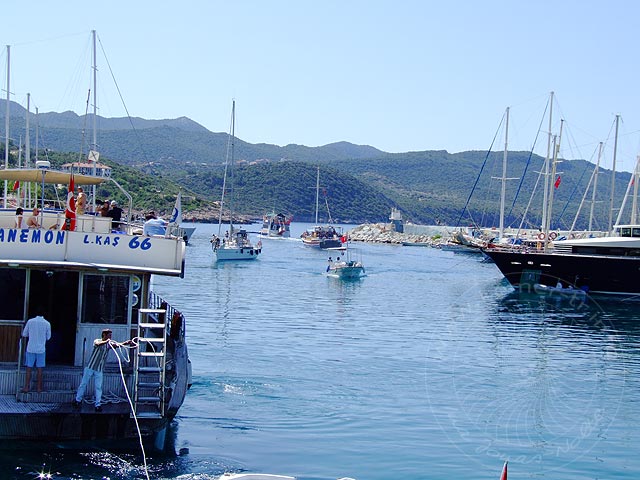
12 285
635 232
625 232
106 299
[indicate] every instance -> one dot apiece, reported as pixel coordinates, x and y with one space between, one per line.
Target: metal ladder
150 362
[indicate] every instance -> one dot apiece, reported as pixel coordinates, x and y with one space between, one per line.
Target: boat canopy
48 176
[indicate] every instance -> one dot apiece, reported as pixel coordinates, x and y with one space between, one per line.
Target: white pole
317 192
27 138
95 115
595 186
6 123
503 191
545 201
613 175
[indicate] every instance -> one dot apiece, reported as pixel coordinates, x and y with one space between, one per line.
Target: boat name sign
152 252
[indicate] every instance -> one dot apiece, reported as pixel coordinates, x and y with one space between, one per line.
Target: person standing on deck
38 331
81 202
95 367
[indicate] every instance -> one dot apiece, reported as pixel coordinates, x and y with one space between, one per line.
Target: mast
503 190
634 207
27 138
545 201
95 116
595 184
317 192
556 151
6 123
226 167
613 175
233 145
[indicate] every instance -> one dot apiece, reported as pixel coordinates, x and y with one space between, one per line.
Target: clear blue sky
398 75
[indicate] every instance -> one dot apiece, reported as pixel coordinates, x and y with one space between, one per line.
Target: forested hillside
359 183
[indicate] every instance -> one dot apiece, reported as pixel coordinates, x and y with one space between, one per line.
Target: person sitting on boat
19 213
32 221
95 366
154 225
559 284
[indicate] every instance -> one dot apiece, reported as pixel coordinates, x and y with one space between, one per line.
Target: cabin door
56 292
105 303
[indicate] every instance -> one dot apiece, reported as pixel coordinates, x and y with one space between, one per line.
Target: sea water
430 367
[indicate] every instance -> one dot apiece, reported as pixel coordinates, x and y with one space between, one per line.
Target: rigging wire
484 163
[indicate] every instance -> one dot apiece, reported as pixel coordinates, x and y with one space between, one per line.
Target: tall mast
503 191
613 175
27 138
545 201
595 185
317 192
233 147
6 123
554 163
95 116
634 207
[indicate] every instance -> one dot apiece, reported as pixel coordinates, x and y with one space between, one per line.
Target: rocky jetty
386 233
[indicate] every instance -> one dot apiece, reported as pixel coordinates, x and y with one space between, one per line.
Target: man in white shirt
38 331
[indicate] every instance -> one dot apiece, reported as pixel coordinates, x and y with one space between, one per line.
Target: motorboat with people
345 265
276 225
84 275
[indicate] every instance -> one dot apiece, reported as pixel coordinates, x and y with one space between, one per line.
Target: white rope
126 390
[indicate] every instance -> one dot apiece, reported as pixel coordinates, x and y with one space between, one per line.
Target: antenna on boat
6 123
95 117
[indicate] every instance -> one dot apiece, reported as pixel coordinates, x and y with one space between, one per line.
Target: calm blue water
430 367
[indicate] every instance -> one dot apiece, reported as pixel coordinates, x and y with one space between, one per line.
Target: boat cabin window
12 285
628 231
106 299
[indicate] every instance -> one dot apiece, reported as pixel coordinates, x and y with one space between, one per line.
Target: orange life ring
553 235
541 236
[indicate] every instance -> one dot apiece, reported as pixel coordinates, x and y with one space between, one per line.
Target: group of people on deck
105 209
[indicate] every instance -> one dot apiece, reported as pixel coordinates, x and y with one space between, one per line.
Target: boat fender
553 235
541 236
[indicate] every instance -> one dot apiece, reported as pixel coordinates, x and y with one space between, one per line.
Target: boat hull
347 273
604 274
237 253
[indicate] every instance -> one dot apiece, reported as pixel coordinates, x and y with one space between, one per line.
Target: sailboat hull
234 253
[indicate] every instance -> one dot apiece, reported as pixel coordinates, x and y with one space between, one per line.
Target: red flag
16 185
558 180
343 239
70 211
504 472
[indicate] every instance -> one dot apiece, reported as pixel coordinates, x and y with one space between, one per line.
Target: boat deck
60 384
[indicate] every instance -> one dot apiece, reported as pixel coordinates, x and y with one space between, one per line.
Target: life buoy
541 236
553 235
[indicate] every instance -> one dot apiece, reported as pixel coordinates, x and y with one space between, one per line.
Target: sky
399 75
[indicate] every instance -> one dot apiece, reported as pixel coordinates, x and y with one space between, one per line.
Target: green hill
361 182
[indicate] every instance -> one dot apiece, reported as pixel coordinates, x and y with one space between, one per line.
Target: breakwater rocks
385 233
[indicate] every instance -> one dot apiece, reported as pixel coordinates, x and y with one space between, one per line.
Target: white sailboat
235 244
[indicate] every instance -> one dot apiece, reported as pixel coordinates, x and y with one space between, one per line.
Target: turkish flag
504 472
70 211
558 180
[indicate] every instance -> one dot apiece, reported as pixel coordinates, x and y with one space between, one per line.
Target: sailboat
322 236
235 244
